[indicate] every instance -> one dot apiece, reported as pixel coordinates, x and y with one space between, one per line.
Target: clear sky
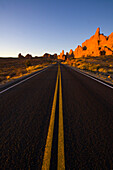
39 26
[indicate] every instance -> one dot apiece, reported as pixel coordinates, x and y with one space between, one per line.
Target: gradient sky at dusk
39 26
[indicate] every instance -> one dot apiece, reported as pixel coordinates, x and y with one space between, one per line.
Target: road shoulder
18 80
91 75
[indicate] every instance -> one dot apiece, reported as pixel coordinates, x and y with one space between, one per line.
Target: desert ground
13 68
101 67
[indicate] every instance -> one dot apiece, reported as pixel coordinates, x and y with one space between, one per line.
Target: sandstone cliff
97 45
61 56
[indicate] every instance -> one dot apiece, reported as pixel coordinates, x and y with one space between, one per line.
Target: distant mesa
46 55
28 56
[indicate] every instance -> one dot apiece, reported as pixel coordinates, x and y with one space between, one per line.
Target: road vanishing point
58 118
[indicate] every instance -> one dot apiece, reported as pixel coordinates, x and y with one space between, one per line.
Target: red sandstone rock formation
97 45
70 52
61 56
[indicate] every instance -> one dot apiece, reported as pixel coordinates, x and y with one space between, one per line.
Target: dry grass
101 66
12 68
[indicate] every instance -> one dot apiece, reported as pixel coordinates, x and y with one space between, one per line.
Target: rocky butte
61 56
97 45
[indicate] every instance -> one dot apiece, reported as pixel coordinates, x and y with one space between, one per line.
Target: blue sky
39 26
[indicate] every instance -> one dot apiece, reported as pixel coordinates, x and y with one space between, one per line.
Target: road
58 119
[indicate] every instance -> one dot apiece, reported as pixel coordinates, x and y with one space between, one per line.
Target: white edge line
92 78
23 80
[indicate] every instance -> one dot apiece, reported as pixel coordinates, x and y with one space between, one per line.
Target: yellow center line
47 153
61 157
48 147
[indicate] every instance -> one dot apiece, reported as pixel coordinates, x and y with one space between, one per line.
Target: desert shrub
30 68
7 77
82 66
110 70
27 63
102 70
109 77
88 66
94 67
110 65
74 64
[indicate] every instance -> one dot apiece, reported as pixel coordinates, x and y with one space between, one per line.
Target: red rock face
70 52
61 56
97 45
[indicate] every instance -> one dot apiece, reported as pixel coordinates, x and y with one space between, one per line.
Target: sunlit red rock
97 45
61 56
70 52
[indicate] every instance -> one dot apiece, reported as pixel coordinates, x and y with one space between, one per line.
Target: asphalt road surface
58 119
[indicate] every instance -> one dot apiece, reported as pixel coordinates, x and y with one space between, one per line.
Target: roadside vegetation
101 66
12 68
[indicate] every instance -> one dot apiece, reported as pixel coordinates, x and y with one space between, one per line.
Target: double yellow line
48 147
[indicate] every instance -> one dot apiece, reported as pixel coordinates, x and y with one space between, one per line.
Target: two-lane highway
58 119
